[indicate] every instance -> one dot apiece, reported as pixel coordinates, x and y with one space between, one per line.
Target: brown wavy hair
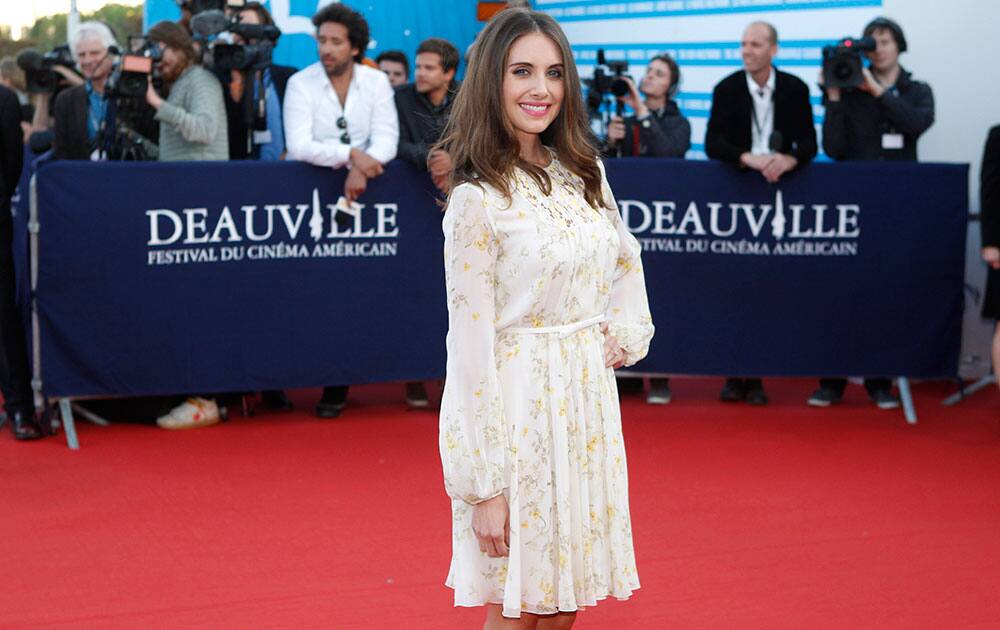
481 140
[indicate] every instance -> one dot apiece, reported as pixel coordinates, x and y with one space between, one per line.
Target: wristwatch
646 121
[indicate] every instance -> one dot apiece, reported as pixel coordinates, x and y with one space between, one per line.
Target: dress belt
563 330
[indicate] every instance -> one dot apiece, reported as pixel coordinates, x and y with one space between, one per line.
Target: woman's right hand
491 525
992 256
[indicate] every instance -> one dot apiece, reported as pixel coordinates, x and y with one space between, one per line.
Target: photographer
192 117
881 119
82 111
251 136
657 129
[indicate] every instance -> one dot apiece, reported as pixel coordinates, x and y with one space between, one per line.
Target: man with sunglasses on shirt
341 114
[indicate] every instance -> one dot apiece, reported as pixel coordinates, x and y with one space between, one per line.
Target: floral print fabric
529 409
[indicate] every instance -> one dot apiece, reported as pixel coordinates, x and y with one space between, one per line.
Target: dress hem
471 604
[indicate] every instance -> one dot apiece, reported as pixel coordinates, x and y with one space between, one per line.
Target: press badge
892 141
264 137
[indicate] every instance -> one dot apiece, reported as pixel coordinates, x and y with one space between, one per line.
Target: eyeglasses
342 124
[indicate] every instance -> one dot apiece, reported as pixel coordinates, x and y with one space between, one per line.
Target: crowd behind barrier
724 238
245 276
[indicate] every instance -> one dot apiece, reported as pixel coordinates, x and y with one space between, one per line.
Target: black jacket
989 190
669 135
11 145
239 114
853 127
71 140
420 122
729 133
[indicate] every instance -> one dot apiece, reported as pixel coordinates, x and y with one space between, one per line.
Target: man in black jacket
761 119
658 129
423 107
883 117
15 378
81 112
879 120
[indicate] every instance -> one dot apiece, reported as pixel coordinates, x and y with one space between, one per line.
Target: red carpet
776 517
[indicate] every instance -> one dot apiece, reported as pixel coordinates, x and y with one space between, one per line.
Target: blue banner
162 278
842 269
171 278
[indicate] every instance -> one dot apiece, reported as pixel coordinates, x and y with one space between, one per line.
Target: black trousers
15 375
871 384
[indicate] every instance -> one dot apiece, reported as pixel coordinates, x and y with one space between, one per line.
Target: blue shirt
96 111
272 150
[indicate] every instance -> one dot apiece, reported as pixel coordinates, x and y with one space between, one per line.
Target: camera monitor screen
137 63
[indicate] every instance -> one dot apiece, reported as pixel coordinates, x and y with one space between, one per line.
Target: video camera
134 69
843 62
209 21
134 120
608 78
38 68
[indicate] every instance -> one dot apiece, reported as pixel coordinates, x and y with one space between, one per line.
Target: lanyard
759 125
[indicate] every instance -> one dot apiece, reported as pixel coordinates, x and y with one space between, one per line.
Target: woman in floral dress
545 297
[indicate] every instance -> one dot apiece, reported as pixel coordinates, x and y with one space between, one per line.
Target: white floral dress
529 409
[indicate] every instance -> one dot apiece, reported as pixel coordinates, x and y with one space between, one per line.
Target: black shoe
332 403
884 399
24 427
416 394
275 399
733 391
755 393
824 397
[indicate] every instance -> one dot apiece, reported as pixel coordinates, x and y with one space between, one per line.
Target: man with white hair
81 112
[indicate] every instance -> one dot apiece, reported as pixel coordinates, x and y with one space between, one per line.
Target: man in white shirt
339 113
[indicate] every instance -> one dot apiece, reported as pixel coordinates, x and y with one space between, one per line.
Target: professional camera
608 78
133 71
134 126
251 56
209 27
38 68
842 62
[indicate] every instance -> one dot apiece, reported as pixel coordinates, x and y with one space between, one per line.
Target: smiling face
533 86
93 58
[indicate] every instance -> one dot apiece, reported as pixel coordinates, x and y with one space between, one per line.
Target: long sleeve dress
529 408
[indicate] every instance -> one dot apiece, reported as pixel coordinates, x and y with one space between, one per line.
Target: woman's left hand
614 355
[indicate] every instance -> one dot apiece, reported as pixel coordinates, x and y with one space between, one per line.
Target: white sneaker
193 413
